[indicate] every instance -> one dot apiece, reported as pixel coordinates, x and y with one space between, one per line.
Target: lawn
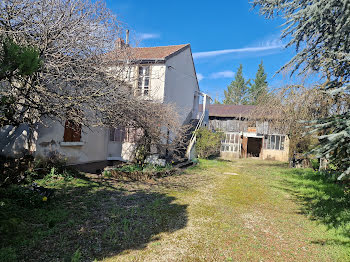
246 210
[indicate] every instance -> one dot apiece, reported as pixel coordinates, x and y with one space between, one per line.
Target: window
116 134
268 144
130 135
282 143
143 80
122 134
72 132
230 142
275 142
278 139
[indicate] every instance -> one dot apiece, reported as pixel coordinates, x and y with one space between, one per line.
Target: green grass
246 210
322 200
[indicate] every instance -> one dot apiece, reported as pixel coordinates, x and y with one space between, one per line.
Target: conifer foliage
320 31
238 91
258 88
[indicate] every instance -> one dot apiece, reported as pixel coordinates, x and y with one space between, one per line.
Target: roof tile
157 52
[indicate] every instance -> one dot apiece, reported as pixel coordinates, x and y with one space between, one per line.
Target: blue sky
222 34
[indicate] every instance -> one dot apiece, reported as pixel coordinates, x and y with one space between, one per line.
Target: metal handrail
194 135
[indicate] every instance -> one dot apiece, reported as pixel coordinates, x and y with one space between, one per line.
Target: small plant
157 168
76 256
107 174
130 168
315 163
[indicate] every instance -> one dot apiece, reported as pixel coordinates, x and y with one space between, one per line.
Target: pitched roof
217 110
157 52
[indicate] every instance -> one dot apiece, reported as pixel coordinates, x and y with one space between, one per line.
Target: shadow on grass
98 221
321 199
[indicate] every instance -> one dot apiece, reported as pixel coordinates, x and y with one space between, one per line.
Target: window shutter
72 132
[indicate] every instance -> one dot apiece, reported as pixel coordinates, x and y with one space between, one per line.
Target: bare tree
289 107
70 38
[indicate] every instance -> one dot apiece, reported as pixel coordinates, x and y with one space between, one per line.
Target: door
244 147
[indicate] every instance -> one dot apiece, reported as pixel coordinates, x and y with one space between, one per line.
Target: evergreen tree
17 60
217 102
321 33
237 92
16 63
259 88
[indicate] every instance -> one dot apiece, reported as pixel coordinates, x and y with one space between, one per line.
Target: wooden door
244 151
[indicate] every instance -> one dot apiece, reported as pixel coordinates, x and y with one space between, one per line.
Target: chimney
119 43
127 37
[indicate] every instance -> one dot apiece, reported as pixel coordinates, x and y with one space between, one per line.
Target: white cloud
200 76
145 36
268 46
223 74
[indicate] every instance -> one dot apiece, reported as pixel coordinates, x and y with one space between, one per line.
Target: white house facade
166 74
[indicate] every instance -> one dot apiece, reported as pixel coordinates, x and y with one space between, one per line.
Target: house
247 138
164 73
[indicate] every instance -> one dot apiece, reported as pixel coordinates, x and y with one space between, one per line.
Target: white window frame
116 134
141 88
231 142
268 145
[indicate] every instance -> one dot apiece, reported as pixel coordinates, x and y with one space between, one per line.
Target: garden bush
26 169
137 172
208 143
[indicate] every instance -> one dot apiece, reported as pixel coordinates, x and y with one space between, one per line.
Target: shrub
14 170
26 169
315 163
208 142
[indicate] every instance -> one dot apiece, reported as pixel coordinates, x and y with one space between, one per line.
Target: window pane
139 84
146 81
111 134
147 70
282 142
269 142
278 142
116 134
273 142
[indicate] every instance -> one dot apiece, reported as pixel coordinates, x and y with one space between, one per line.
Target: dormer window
143 81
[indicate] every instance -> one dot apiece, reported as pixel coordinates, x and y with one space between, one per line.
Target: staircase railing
194 134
